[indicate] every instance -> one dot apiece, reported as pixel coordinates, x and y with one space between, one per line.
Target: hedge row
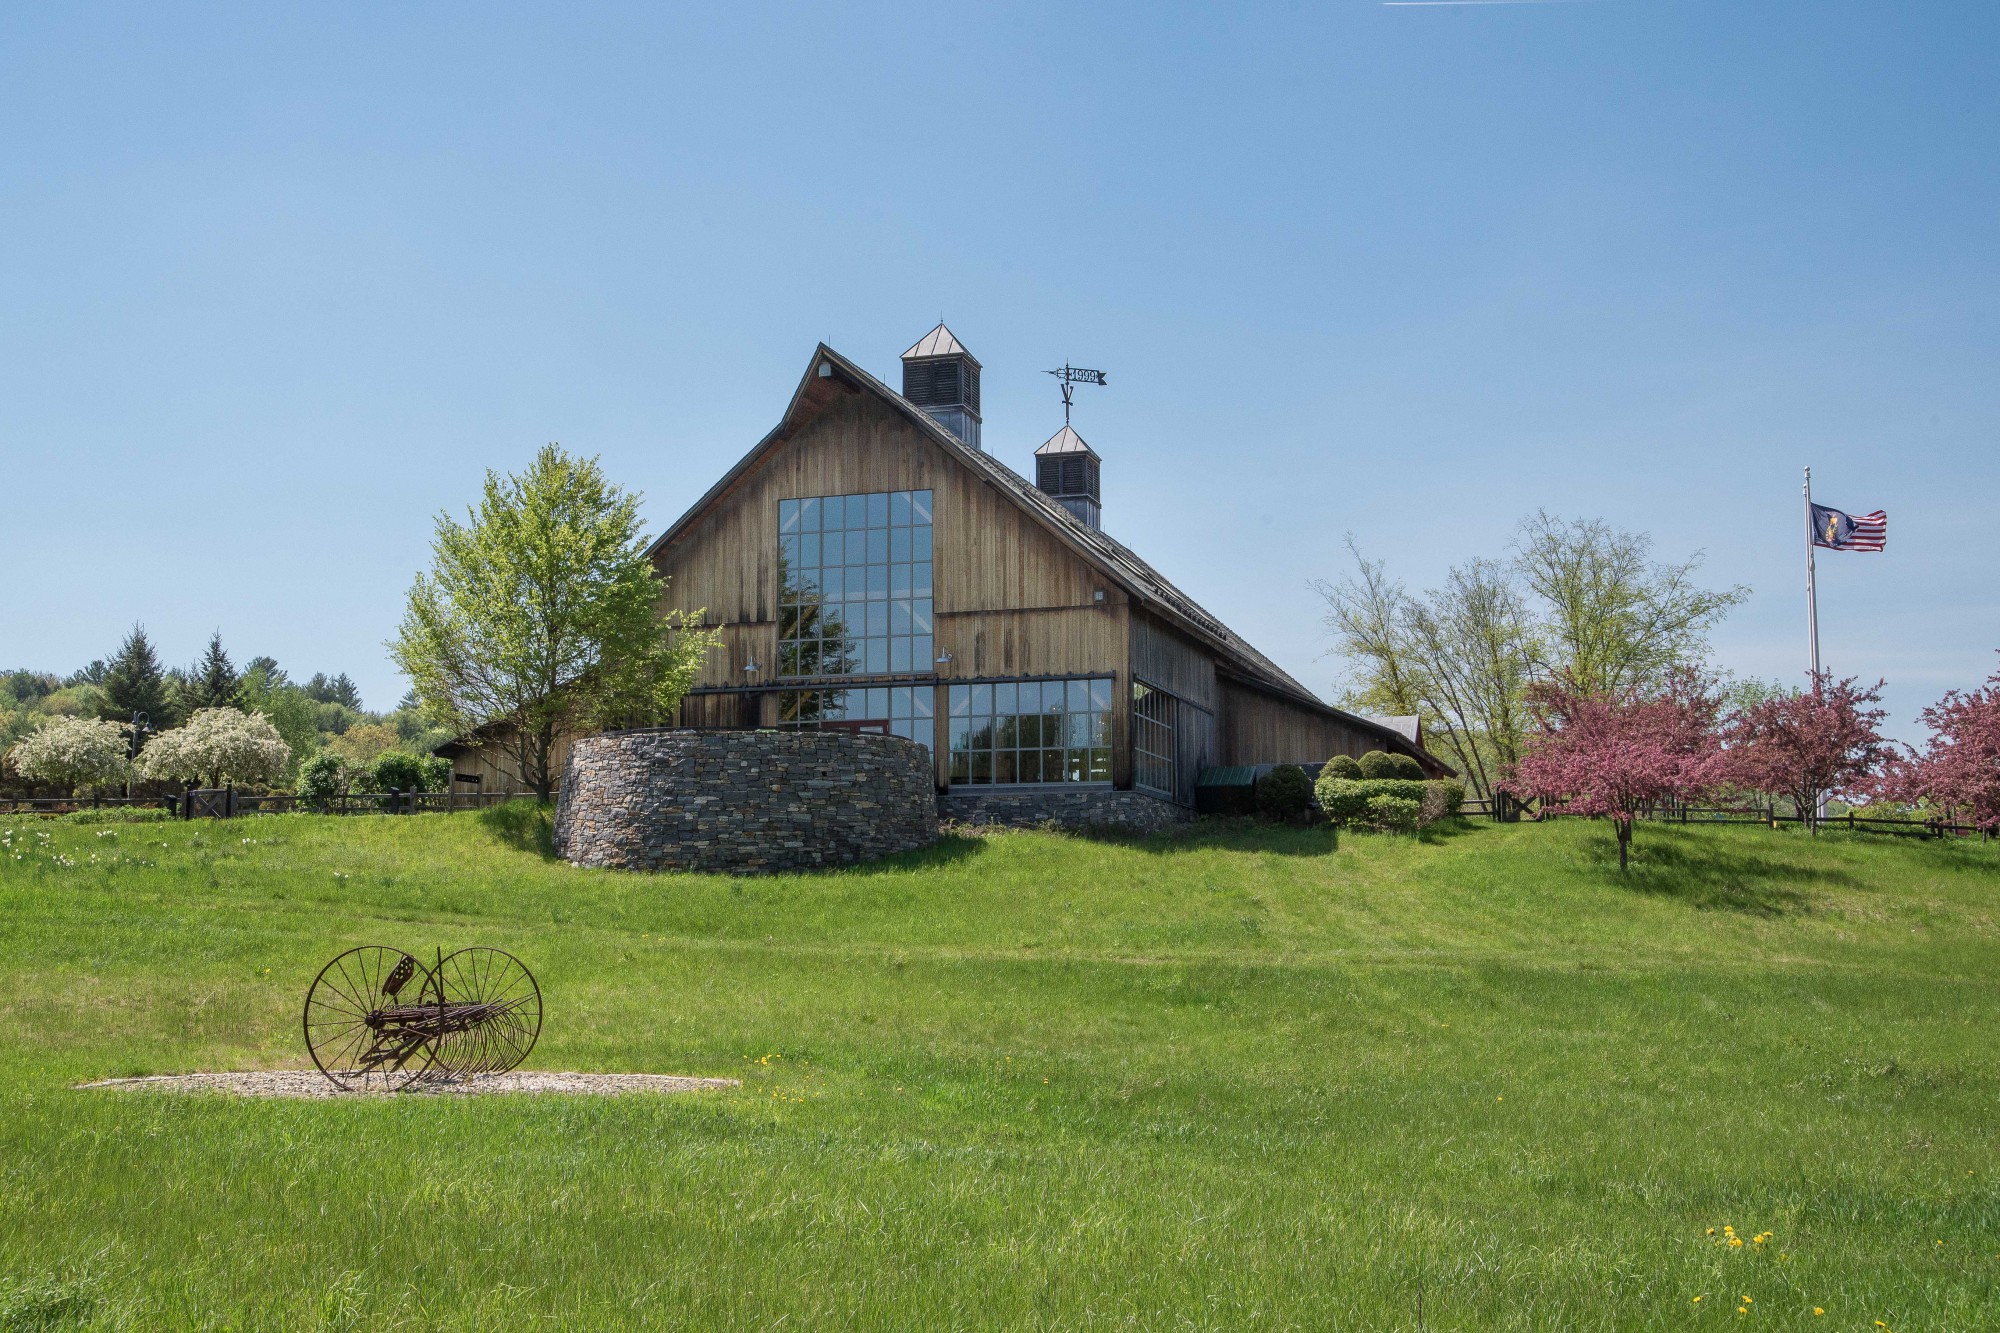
1390 803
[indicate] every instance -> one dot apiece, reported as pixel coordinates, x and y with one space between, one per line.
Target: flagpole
1812 613
1812 582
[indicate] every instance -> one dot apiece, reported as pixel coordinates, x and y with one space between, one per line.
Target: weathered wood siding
1168 660
1259 728
495 767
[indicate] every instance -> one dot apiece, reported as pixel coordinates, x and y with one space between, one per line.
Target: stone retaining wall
746 802
1077 808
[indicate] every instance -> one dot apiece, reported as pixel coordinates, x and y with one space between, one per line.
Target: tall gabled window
854 585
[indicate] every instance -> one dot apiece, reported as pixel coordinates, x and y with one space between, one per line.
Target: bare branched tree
1578 601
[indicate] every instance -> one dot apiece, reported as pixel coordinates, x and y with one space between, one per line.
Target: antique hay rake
377 1020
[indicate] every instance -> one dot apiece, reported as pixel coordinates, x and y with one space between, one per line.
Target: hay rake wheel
502 1005
346 1034
377 1020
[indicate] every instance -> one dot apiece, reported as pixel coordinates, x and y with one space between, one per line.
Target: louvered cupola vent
942 378
1066 469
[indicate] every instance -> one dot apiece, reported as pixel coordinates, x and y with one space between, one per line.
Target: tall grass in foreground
1241 1077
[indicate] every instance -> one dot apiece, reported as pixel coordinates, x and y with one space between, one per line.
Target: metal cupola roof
940 341
1065 441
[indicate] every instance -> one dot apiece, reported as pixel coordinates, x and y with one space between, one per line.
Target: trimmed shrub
322 776
398 770
1376 764
1406 767
1453 793
1394 814
1345 801
1284 793
436 772
1341 766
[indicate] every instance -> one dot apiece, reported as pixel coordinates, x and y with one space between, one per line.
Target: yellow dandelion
1736 1241
1746 1300
1711 1231
1817 1312
1697 1300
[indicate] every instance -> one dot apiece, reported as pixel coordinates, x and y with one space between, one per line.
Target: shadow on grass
526 826
1234 833
950 849
1762 881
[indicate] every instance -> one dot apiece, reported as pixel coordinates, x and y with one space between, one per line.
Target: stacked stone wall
1090 807
744 802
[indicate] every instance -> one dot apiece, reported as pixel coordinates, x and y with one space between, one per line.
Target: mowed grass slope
1238 1078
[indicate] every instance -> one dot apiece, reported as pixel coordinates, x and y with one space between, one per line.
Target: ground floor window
889 710
1030 731
1152 738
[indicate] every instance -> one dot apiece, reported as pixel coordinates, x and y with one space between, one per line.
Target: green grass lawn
1237 1078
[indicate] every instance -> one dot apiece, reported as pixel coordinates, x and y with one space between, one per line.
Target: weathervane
1071 376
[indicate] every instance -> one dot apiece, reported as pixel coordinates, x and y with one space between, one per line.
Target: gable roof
831 374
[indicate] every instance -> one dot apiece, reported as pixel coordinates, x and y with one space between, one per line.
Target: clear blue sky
278 282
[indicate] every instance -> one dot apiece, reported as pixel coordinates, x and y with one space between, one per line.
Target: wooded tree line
321 715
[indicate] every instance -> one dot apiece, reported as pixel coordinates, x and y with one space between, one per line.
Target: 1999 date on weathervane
377 1020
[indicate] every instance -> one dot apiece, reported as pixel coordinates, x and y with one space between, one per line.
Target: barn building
871 567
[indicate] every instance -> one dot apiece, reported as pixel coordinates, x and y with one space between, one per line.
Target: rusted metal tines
377 1020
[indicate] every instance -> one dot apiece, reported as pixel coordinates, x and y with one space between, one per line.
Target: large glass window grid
897 710
854 584
1152 738
1030 732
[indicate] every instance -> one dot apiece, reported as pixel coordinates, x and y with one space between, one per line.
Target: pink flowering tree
1823 742
1959 769
1616 754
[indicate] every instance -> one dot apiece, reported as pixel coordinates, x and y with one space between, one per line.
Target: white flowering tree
217 744
72 752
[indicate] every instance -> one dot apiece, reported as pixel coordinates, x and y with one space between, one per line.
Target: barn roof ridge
1111 556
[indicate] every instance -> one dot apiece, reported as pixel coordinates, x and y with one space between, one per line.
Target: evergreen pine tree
212 682
344 692
134 683
274 675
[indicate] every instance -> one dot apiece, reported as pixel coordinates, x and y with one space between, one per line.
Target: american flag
1849 532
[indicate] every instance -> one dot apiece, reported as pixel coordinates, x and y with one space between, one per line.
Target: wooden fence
1508 810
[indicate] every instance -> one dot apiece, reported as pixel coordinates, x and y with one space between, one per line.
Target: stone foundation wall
745 802
1075 808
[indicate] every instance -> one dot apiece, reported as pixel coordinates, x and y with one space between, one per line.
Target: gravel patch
311 1083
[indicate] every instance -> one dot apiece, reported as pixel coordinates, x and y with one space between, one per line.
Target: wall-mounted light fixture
750 668
944 658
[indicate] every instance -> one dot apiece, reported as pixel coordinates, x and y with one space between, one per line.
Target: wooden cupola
1066 470
942 378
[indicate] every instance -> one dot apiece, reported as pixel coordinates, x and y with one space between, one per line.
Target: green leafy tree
135 683
291 713
540 617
